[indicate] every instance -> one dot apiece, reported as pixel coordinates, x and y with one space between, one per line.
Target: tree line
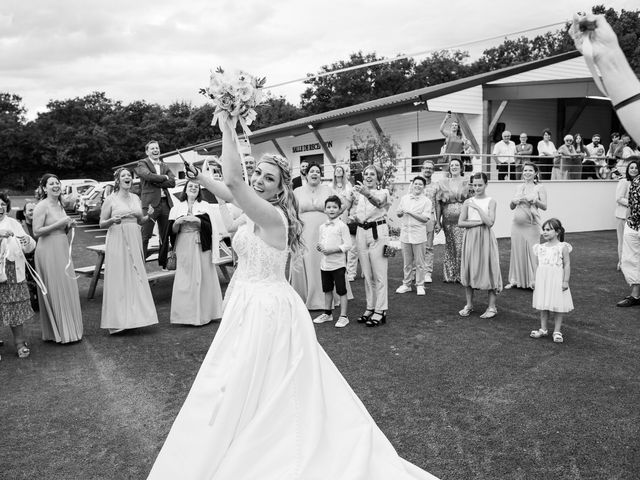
87 136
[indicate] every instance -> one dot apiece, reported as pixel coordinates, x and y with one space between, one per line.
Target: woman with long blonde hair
267 395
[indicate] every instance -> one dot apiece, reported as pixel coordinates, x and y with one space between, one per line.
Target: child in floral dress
551 294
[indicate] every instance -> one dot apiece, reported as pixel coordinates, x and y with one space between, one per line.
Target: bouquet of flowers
235 97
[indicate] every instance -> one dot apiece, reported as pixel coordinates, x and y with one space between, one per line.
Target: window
428 147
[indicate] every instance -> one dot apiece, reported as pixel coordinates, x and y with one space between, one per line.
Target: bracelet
626 102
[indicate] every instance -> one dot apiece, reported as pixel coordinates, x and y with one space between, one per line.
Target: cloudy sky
162 51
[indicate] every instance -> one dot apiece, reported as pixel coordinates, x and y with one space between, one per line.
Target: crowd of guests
573 159
343 225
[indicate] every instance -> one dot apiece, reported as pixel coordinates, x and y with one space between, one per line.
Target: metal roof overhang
533 90
392 105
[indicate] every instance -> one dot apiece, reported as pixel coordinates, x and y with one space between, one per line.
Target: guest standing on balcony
454 143
547 151
504 155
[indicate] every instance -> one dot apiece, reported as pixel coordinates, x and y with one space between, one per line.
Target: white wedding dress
268 403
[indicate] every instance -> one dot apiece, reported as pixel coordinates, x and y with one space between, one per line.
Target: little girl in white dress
551 294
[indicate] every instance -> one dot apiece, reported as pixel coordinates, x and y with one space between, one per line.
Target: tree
15 148
376 150
349 88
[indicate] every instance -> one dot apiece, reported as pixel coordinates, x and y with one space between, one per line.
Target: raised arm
259 210
217 187
444 122
618 77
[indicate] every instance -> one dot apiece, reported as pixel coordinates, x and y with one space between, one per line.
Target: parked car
82 199
93 205
71 190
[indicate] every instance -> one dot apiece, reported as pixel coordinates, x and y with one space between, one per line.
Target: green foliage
350 88
376 150
88 136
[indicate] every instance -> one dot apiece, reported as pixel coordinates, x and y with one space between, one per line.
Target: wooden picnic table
97 271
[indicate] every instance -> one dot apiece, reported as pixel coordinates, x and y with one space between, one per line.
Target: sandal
376 322
23 351
539 333
466 311
557 337
365 317
489 313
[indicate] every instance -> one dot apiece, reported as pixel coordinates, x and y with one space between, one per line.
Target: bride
268 403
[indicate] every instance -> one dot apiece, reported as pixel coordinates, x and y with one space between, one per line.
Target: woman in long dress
268 403
126 299
60 312
196 297
343 189
452 192
530 198
305 273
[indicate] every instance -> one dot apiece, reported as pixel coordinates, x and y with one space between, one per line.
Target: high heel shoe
364 318
376 322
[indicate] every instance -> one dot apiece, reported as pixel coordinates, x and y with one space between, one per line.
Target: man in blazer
302 179
155 179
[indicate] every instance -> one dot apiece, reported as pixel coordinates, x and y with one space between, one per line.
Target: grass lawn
463 398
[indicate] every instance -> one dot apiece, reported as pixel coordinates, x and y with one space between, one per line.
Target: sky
163 51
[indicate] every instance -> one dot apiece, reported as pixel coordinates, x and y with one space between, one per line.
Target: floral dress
451 196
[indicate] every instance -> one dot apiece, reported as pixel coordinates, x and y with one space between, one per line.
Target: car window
84 188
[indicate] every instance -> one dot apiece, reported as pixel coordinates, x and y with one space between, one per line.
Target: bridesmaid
452 192
196 297
305 276
60 312
530 198
126 298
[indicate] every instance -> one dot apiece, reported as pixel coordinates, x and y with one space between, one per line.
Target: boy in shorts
334 242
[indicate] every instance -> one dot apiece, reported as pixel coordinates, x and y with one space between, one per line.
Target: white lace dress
268 403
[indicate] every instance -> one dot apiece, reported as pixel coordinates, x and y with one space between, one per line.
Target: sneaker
420 290
628 302
323 318
428 279
343 321
403 289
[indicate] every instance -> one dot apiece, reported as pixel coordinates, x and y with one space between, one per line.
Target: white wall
580 206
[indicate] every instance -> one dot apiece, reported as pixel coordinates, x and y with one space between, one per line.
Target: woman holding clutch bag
196 297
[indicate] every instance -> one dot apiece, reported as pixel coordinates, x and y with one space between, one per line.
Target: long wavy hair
116 178
41 191
286 201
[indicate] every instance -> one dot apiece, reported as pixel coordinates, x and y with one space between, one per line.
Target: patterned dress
15 305
451 195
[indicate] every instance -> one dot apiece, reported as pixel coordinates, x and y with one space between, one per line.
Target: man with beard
595 151
302 179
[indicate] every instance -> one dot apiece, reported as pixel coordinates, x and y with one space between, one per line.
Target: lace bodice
257 260
550 255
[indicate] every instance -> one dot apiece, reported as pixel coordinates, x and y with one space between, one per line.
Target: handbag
388 251
172 259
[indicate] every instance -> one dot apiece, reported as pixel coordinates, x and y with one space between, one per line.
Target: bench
96 272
